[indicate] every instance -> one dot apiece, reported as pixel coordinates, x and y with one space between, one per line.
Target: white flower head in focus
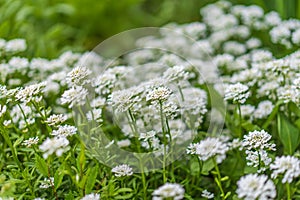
237 92
122 170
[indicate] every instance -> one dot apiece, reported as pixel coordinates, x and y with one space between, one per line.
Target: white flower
122 170
98 102
247 110
272 18
78 76
6 122
253 186
192 148
175 74
95 114
169 190
208 195
259 56
223 60
234 48
147 136
258 140
288 93
288 166
30 93
56 119
237 92
48 182
196 101
253 43
91 196
16 45
123 100
64 131
2 110
124 143
258 158
74 96
264 109
296 37
209 148
57 145
158 94
18 63
31 141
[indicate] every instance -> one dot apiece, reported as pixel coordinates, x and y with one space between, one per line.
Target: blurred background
53 26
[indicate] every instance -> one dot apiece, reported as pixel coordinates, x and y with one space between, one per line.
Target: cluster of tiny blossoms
161 100
257 143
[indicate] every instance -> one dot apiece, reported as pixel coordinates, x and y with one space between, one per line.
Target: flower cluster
168 190
209 148
254 186
257 143
122 170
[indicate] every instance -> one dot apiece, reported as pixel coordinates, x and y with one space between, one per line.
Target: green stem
259 160
143 180
26 122
164 142
240 121
288 191
218 181
134 129
13 151
181 93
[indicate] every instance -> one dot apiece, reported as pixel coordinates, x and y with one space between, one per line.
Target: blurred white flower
288 166
169 190
208 195
47 183
264 109
91 196
57 145
15 45
124 143
2 110
253 186
31 141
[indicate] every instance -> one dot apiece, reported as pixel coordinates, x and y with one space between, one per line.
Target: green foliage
288 134
52 27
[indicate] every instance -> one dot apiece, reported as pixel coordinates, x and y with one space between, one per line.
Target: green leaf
194 167
248 126
58 177
124 196
91 179
272 115
294 108
288 134
207 167
124 190
18 141
41 165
